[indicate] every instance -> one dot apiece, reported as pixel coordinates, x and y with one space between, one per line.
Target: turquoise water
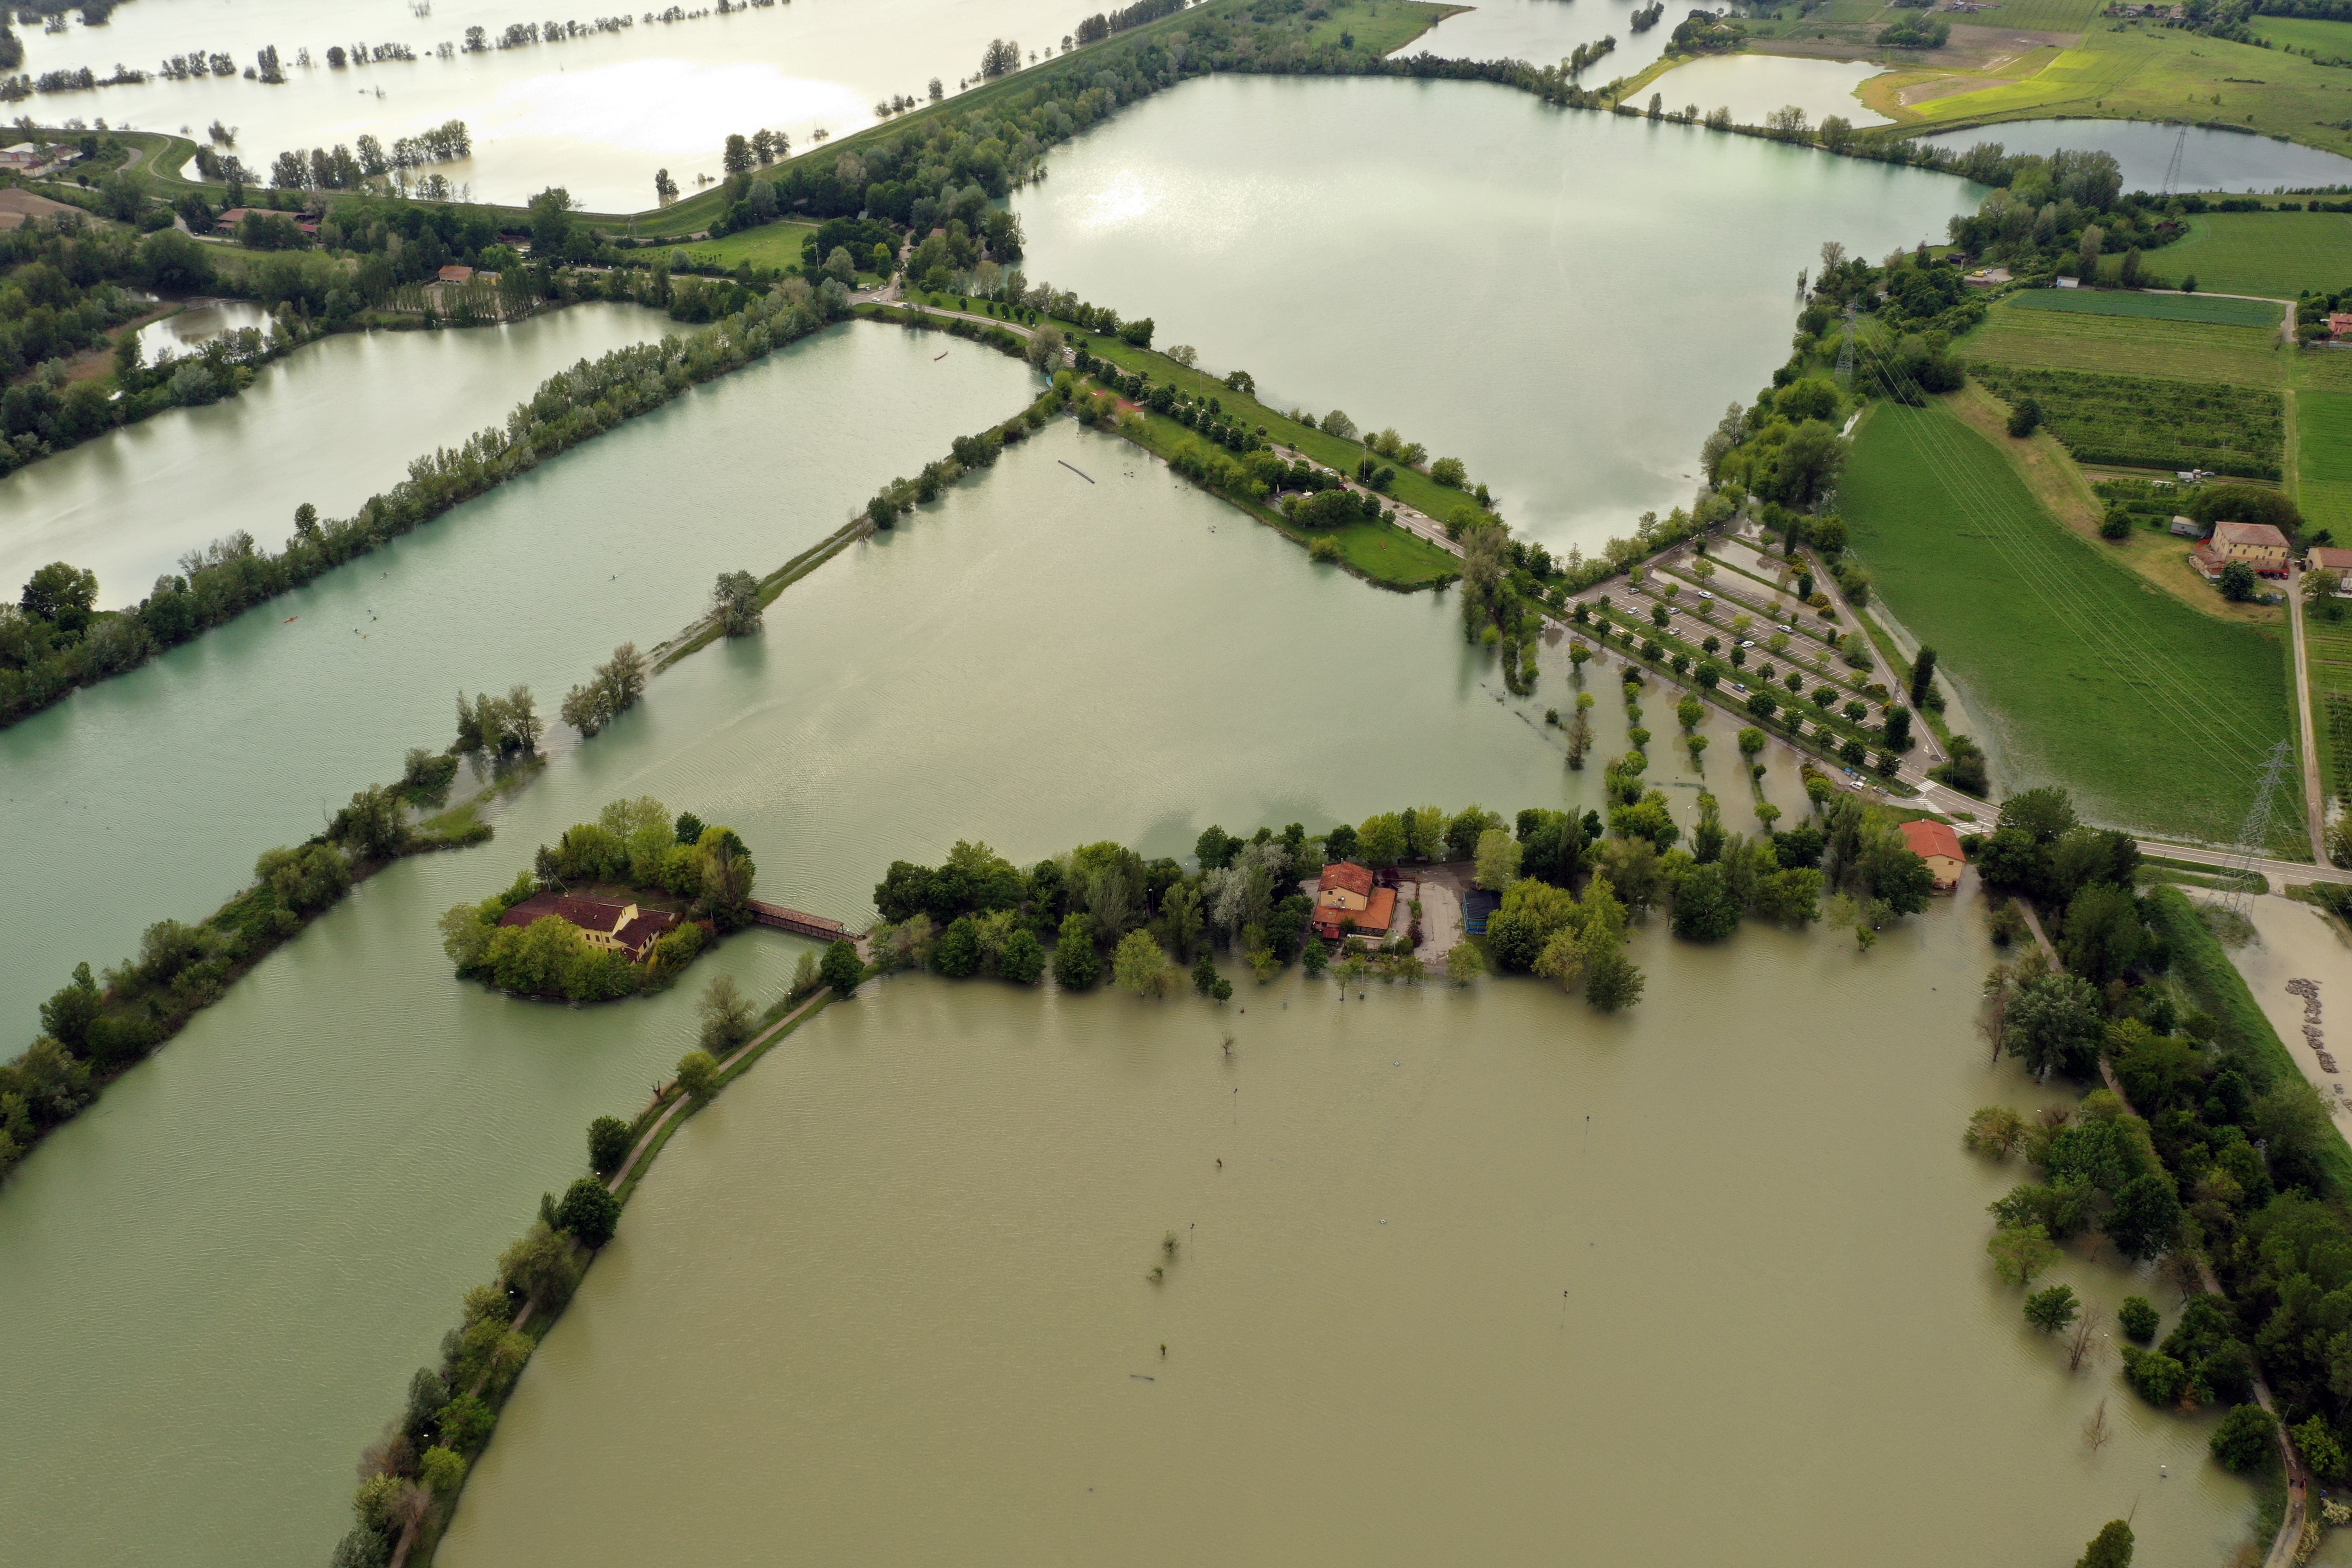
1564 299
163 785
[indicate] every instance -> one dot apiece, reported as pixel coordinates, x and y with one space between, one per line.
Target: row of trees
98 1025
41 663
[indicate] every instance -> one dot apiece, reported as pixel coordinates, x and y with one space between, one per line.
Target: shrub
589 1212
2245 1439
608 1144
698 1073
2157 1377
842 969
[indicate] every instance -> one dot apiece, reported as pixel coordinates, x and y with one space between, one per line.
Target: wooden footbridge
799 925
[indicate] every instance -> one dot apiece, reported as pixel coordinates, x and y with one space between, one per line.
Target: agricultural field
2130 71
2118 345
2154 715
2323 370
2140 422
2324 460
2210 308
2280 255
2330 643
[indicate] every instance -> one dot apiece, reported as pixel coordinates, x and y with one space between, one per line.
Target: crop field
2211 308
2157 717
2117 345
2330 643
2139 422
2324 459
2277 254
2324 370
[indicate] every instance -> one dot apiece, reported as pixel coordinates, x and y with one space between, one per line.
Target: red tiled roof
1930 838
1347 876
639 933
455 274
588 914
2331 558
1375 919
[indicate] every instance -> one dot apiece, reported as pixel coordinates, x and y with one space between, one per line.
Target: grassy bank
2153 714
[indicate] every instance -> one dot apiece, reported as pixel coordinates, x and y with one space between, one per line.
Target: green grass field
770 244
2277 254
2116 345
2323 370
2160 73
2140 422
2328 40
2324 459
2157 717
2203 308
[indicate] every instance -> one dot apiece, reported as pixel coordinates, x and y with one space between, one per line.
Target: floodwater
165 783
1564 299
596 115
263 1229
1545 32
203 320
1753 86
2209 160
130 503
1480 1275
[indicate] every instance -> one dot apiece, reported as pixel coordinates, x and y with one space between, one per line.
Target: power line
2236 895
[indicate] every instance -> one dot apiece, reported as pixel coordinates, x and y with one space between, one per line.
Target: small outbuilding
1477 904
1937 844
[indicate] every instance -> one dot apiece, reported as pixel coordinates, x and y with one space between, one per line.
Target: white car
1705 595
1790 629
1745 642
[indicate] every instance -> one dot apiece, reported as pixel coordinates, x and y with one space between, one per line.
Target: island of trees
616 906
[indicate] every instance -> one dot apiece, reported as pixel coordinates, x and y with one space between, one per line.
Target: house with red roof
1937 844
1348 903
625 929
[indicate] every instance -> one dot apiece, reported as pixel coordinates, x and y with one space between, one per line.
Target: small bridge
799 925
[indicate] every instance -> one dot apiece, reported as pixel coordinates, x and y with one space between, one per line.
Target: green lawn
2277 254
775 245
2117 345
2324 461
2157 717
2204 308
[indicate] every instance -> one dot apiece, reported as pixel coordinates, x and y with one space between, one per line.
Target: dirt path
2315 798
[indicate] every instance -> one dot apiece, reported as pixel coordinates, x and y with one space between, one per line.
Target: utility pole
2254 836
2172 170
1845 350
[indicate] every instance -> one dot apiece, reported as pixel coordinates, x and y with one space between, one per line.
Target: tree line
41 659
98 1026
